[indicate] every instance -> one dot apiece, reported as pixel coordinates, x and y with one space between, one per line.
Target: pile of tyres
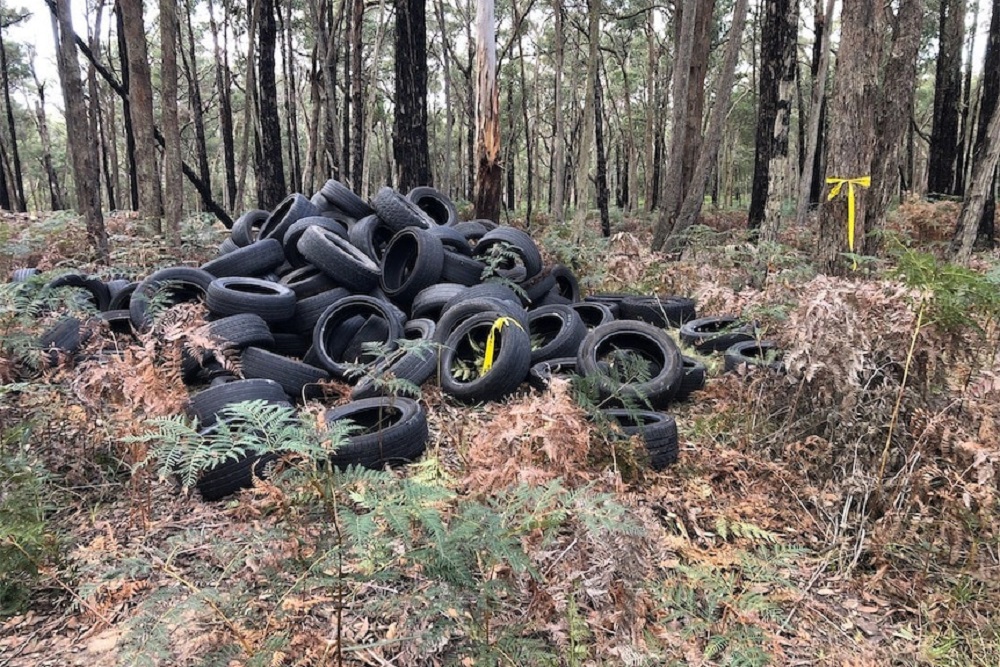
326 285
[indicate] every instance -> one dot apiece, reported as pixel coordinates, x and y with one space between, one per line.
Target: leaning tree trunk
894 108
984 164
691 207
780 41
174 177
987 109
197 110
141 109
947 95
409 138
55 189
851 140
672 192
22 205
82 145
488 171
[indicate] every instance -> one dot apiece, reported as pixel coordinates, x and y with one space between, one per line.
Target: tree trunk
222 88
445 180
94 99
56 196
984 165
271 186
851 140
987 109
81 144
12 131
673 188
811 172
173 200
894 108
488 171
696 91
529 167
558 145
369 117
963 155
602 160
130 148
409 138
780 41
358 94
140 93
691 207
197 110
947 95
291 101
652 160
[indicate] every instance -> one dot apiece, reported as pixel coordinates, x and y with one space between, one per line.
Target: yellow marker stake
500 323
838 183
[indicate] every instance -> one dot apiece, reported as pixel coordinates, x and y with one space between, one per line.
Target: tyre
289 242
453 315
610 299
169 287
298 379
120 298
414 366
339 324
97 291
247 227
64 338
657 431
518 242
612 352
537 288
437 205
119 322
484 291
371 236
342 198
664 311
692 379
227 478
23 275
716 334
398 212
463 373
462 269
347 265
593 313
291 345
233 295
390 431
292 208
240 331
254 260
412 261
566 282
472 230
309 309
542 373
227 246
451 240
760 353
430 301
308 281
556 331
206 405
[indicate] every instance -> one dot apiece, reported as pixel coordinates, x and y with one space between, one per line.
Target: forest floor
846 512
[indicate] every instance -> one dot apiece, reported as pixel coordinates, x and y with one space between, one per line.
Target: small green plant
501 258
381 374
25 502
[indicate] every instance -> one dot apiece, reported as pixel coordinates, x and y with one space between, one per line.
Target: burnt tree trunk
984 165
357 95
409 137
987 109
947 95
271 187
82 146
197 108
778 42
130 150
602 159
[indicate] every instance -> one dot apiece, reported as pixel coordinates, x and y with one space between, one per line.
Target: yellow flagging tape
500 323
838 183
